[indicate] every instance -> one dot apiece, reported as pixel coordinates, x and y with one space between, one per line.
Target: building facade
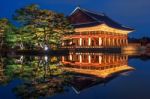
95 30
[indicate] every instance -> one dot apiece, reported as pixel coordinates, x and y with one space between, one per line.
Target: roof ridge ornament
78 7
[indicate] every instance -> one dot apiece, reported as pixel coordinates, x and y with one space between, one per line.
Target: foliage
48 27
38 76
37 28
8 36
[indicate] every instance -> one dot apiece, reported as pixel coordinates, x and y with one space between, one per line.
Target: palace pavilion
95 30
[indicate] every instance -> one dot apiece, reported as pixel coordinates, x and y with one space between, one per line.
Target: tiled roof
99 19
86 24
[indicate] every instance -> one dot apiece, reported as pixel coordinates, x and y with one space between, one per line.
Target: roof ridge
74 10
102 14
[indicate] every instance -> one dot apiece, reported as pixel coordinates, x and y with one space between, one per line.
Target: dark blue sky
133 13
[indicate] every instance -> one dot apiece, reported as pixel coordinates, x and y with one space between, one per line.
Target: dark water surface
75 76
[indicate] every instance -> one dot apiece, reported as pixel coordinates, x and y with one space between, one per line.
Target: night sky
132 13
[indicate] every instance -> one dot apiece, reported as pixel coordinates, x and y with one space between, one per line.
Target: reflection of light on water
70 43
59 64
100 59
89 57
63 58
70 56
98 64
21 58
127 73
80 57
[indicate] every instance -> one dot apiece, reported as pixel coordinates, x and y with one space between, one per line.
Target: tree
7 33
25 37
49 27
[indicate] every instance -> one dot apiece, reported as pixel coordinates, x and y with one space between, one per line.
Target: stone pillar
113 58
116 41
100 41
89 58
113 42
63 43
122 42
109 43
126 42
70 57
80 41
100 59
103 41
80 58
119 42
89 41
63 58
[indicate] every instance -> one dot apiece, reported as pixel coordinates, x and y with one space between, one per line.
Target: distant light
46 58
45 48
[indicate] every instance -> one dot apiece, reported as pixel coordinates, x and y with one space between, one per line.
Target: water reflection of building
100 65
94 68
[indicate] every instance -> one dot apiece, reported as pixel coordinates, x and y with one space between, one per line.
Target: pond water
75 76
